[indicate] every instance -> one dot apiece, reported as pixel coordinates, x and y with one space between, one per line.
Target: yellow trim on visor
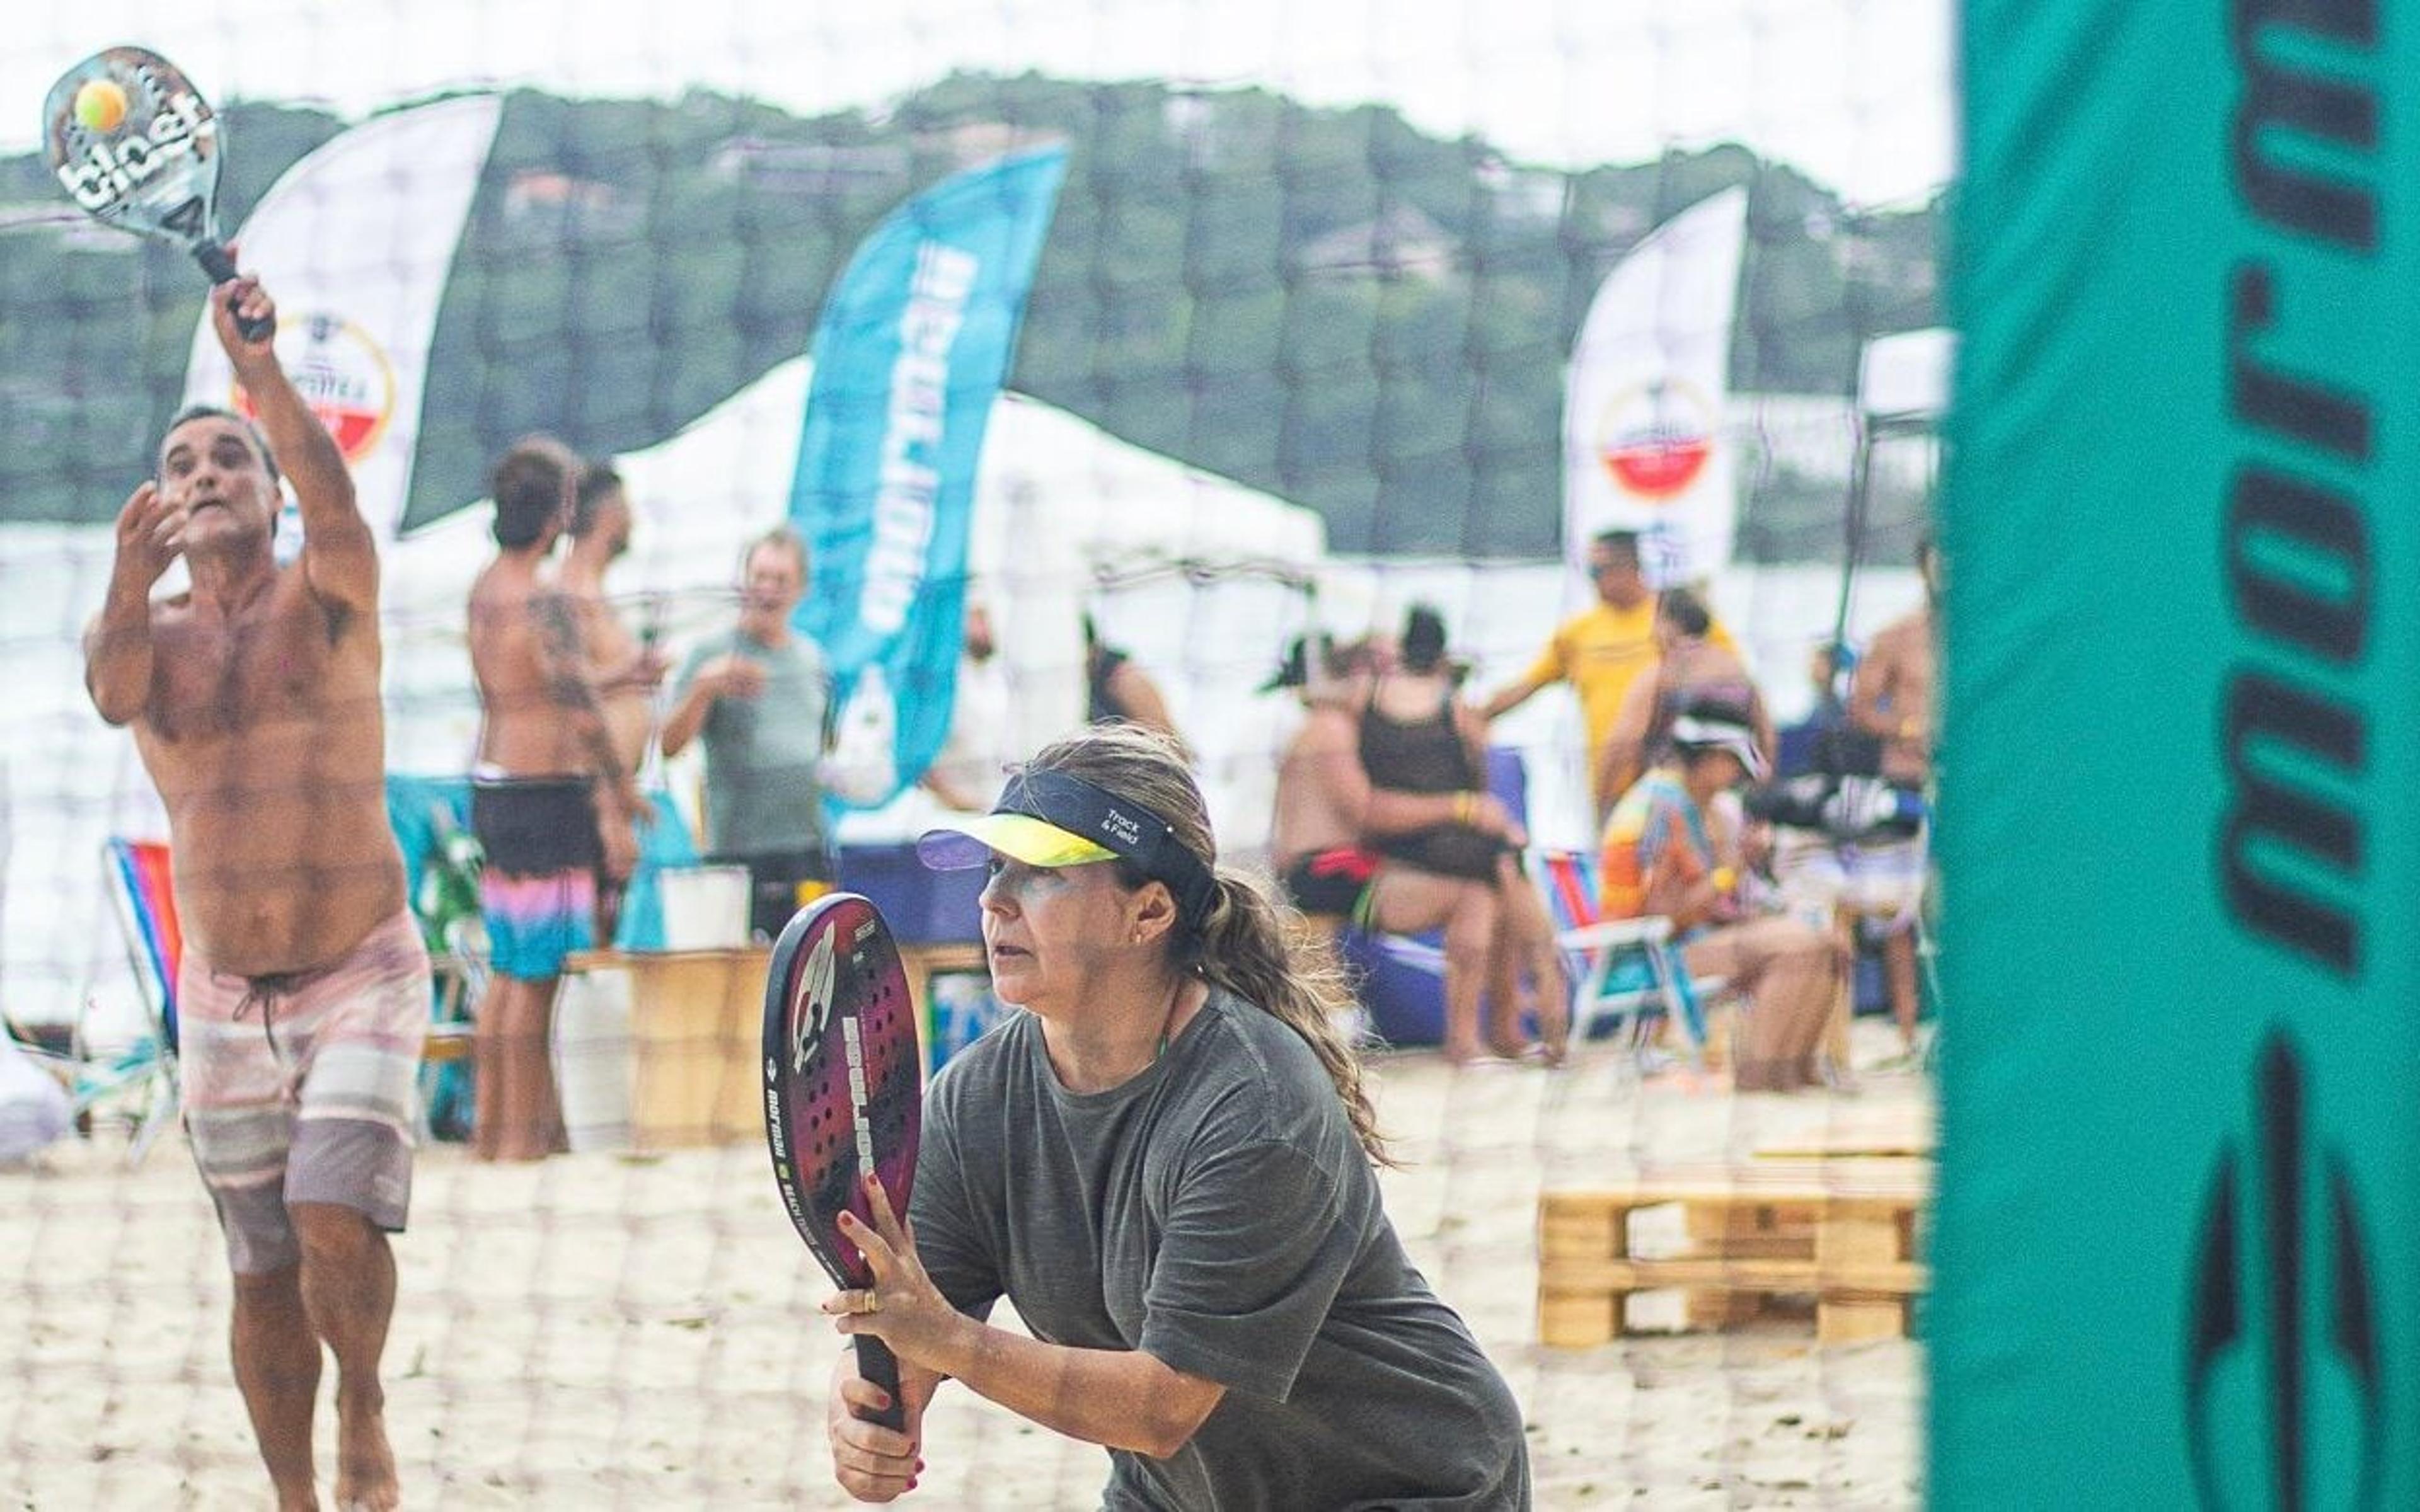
968 842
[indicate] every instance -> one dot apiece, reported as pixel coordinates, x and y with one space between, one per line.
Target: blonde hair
1241 943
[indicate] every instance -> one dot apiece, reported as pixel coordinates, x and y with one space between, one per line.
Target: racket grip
221 269
877 1365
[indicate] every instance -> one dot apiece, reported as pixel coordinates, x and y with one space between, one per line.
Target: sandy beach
640 1332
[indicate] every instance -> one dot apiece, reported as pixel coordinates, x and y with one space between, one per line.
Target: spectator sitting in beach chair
1668 851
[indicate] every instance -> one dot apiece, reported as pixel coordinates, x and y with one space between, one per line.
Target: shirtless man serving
303 996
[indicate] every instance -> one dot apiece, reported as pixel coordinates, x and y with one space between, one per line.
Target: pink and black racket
844 1089
136 143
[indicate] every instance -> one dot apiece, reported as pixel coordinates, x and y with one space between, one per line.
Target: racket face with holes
844 1084
135 143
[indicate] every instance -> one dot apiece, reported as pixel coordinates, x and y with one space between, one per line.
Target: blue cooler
1400 981
923 906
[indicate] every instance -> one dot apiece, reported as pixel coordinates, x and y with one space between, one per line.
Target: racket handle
877 1365
221 269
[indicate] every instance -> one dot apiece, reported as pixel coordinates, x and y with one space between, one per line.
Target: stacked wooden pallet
1842 1230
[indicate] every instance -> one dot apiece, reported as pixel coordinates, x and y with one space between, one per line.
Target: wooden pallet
1843 1231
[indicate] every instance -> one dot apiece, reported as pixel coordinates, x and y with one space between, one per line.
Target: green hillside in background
1325 303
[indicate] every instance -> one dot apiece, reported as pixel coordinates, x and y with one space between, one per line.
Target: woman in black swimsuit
1417 736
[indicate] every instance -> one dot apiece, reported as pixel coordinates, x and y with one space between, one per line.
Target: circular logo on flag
1655 440
342 374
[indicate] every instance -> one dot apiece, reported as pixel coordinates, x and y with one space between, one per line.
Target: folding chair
1624 971
431 820
460 972
143 1075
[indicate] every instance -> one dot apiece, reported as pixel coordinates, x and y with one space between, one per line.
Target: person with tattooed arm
552 800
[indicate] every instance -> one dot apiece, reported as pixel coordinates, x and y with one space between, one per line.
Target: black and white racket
844 1091
137 146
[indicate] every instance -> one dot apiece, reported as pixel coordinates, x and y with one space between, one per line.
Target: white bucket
705 907
592 1058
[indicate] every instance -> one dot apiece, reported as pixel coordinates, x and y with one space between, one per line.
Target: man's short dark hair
1625 543
212 411
598 481
527 486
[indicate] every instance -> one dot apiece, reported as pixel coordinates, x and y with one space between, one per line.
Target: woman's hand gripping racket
136 144
844 1091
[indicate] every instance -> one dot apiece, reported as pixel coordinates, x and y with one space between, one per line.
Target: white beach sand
605 1330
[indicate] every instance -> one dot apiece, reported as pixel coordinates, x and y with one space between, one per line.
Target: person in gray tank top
1165 1164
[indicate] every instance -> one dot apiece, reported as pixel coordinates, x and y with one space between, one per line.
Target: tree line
1326 303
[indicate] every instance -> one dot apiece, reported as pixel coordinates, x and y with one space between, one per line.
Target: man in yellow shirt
1602 650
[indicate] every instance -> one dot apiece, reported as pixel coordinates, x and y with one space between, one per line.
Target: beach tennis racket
844 1091
137 146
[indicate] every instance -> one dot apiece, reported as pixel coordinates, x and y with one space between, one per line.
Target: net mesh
1294 357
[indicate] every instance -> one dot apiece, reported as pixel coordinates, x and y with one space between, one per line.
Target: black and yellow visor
1052 819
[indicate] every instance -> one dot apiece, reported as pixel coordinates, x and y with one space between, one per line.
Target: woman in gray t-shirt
1165 1164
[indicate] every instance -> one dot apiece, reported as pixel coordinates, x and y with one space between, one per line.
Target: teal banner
910 352
2177 1240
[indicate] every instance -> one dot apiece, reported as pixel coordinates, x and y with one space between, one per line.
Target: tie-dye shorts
538 892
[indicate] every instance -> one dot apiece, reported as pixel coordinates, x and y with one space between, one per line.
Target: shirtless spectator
303 996
1891 699
551 799
1892 695
1323 799
626 668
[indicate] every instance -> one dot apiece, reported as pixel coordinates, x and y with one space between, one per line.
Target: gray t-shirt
764 794
1215 1212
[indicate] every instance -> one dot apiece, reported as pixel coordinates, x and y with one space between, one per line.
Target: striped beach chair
1626 973
142 1076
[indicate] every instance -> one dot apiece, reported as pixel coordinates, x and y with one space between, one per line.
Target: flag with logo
2178 1224
355 243
1643 442
913 344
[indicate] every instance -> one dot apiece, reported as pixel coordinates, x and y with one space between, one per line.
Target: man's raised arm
339 550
